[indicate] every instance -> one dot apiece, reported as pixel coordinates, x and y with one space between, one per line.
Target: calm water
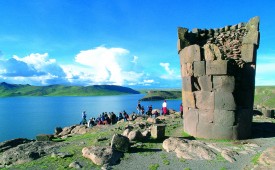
28 116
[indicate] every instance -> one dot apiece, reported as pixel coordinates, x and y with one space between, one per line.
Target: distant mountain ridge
8 90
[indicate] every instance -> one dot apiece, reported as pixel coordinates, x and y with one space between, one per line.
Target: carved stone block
205 83
217 67
224 83
204 100
224 101
248 52
199 68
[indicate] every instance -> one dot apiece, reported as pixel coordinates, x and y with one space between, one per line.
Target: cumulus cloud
34 69
106 65
169 73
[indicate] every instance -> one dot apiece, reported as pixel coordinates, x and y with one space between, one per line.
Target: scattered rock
126 132
61 155
120 143
267 158
27 152
196 150
57 130
13 143
101 155
135 135
101 139
44 137
75 165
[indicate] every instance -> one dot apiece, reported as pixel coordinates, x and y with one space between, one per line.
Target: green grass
153 167
8 90
255 158
161 95
264 96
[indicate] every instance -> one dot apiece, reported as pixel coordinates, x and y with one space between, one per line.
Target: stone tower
218 79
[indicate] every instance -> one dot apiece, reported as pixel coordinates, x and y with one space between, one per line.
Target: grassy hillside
265 96
7 90
161 95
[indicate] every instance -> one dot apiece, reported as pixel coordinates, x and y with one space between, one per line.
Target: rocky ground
133 148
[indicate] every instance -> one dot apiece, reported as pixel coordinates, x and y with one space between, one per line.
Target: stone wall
218 79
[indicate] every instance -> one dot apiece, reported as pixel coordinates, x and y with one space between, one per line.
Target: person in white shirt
164 108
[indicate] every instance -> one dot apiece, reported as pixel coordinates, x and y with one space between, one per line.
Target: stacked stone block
218 79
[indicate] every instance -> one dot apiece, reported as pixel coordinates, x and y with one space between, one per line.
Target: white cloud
167 69
170 74
135 59
34 69
104 63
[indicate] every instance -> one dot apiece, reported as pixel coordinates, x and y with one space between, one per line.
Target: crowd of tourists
111 118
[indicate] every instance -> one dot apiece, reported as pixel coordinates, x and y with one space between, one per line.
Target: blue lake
28 116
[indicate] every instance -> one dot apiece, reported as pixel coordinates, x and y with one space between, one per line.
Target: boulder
120 143
126 132
82 129
101 155
158 131
57 130
146 134
27 152
44 137
75 165
135 135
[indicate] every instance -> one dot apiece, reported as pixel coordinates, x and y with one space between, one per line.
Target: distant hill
265 96
161 95
8 90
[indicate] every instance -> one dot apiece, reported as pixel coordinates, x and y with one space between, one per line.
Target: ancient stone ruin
218 79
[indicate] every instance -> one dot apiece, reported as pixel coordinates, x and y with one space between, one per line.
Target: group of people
111 118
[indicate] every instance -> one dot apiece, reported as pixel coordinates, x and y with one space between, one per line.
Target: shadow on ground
263 130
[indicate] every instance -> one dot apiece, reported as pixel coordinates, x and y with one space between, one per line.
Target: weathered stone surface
187 69
248 52
191 119
188 149
158 131
204 100
217 67
204 129
212 52
101 155
199 68
27 152
222 132
190 54
206 116
224 83
224 117
188 99
188 83
120 143
225 68
13 143
205 83
135 135
267 158
224 101
244 122
182 35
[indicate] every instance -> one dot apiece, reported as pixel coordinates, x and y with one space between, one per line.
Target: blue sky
124 42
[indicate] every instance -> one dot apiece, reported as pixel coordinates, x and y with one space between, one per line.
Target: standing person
139 107
83 121
149 112
164 108
181 111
